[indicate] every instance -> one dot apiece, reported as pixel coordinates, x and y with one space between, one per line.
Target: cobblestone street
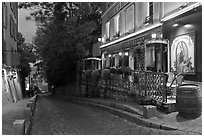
55 116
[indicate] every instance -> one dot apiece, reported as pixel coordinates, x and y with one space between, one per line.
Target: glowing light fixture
175 25
126 53
161 35
154 35
99 39
120 53
188 25
109 55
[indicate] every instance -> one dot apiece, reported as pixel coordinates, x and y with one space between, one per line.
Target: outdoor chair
170 78
176 81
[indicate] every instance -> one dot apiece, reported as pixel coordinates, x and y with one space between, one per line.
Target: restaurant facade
153 36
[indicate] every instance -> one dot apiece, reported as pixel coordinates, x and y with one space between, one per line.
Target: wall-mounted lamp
109 55
99 39
161 35
126 53
177 23
154 35
120 53
188 25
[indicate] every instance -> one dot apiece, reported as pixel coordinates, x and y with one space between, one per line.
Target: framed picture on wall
183 53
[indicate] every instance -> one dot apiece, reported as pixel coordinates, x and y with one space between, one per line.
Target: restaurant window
120 59
129 19
112 61
126 59
150 58
108 31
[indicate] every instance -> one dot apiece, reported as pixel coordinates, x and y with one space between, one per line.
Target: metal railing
146 84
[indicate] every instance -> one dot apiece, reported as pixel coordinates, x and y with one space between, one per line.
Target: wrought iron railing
146 84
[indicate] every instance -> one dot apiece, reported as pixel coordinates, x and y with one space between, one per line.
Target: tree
65 31
27 56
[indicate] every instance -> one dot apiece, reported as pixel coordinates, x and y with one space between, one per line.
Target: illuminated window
149 18
107 30
116 24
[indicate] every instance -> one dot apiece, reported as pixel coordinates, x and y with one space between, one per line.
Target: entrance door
139 59
156 57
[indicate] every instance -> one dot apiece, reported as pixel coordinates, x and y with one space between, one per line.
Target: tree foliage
66 30
26 55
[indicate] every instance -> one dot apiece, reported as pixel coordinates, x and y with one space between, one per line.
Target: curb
33 100
121 111
23 126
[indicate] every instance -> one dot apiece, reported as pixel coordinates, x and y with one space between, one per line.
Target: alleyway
55 116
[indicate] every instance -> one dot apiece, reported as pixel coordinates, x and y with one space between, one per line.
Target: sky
26 27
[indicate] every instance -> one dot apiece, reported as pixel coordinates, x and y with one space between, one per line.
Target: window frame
4 15
132 29
108 30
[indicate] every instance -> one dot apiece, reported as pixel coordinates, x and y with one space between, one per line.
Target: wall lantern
99 39
120 53
109 55
126 53
161 35
177 23
188 25
154 35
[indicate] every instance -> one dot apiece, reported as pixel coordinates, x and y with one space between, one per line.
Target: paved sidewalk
172 120
12 112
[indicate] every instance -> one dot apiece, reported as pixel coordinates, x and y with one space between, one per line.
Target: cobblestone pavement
60 117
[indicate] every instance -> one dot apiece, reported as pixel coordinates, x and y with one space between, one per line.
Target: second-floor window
5 15
116 25
108 30
129 18
149 18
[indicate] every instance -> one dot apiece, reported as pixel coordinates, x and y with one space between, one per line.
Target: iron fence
145 84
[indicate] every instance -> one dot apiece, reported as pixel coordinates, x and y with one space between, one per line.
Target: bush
126 70
113 70
105 74
119 71
95 74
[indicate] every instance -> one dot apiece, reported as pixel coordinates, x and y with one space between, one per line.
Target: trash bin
189 100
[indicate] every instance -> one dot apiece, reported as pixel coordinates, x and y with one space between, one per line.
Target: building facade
138 35
11 87
10 30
